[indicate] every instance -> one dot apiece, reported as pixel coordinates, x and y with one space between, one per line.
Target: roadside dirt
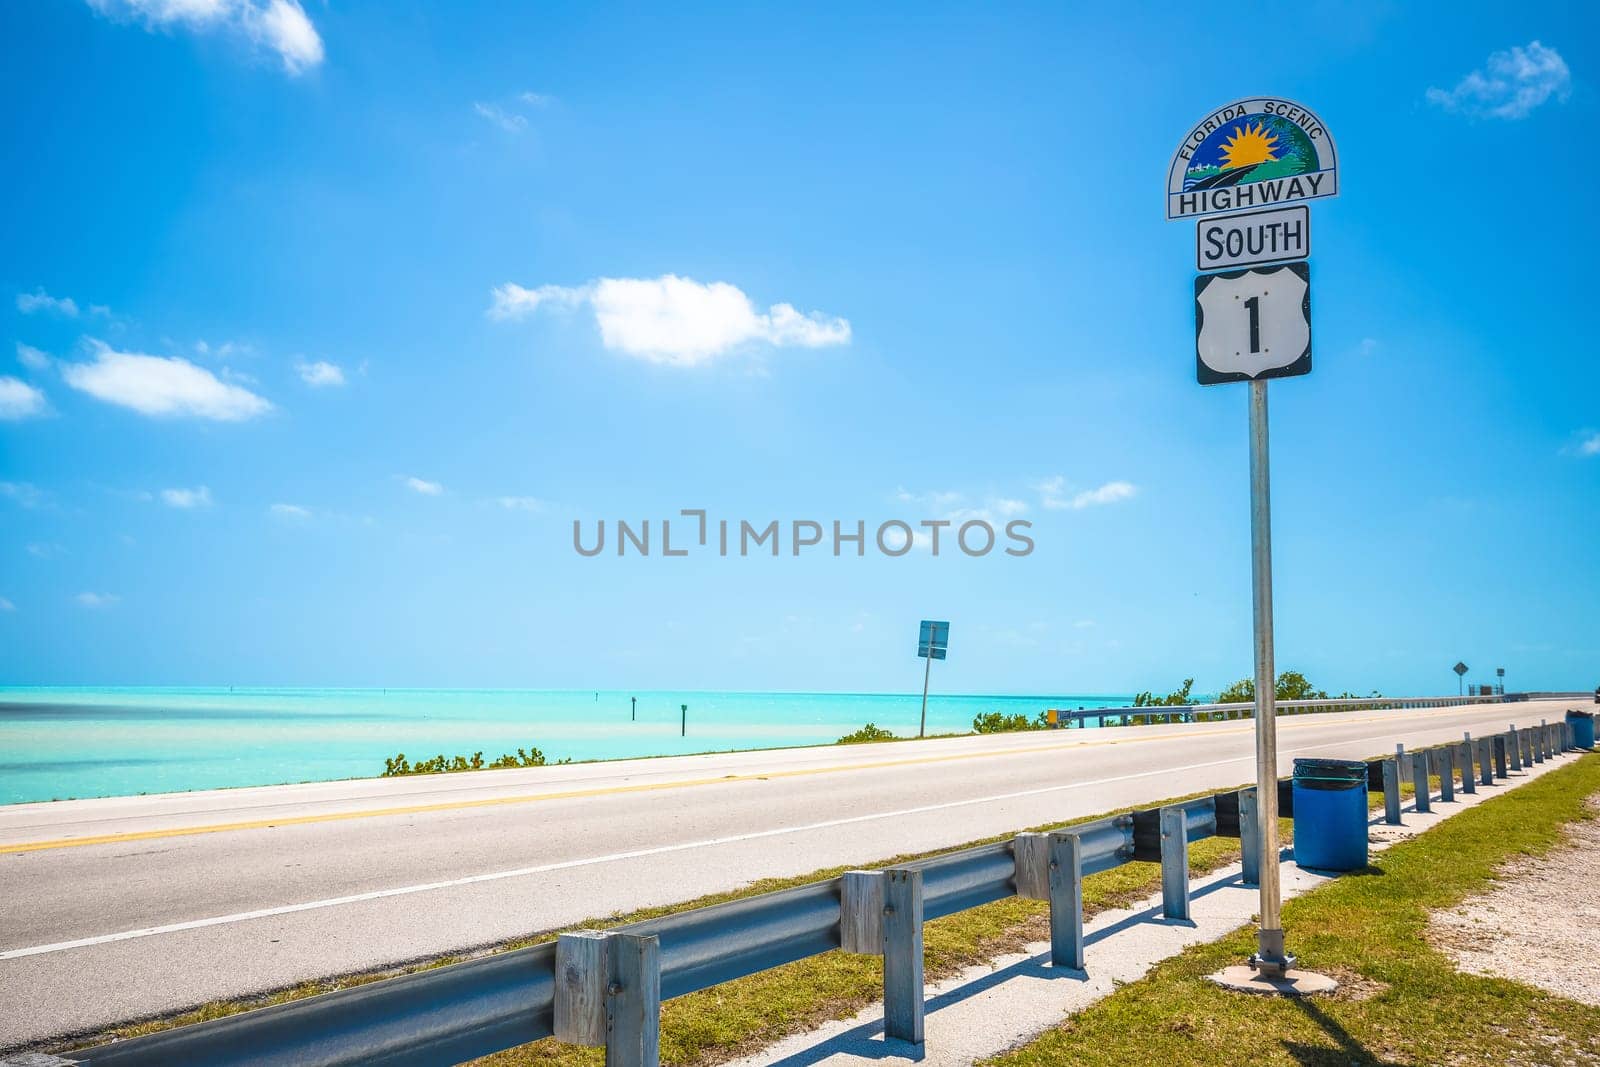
1541 922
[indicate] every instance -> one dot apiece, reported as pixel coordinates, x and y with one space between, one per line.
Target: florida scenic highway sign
1253 324
1259 152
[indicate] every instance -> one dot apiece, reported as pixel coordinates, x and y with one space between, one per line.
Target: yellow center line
611 790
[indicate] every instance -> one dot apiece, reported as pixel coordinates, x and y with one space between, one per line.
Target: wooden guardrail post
633 1002
1486 761
1419 779
1174 862
583 970
1249 837
1514 747
1447 772
861 912
1391 792
902 954
1469 777
608 992
1031 854
1501 765
1066 900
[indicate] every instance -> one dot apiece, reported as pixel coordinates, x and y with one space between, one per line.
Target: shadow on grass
1349 1053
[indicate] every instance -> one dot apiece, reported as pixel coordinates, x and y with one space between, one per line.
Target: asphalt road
126 908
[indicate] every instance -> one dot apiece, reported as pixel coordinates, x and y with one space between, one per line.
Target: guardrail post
1497 746
583 970
1391 792
633 1002
1031 855
1485 761
1514 747
861 912
1419 778
1534 745
1447 773
1249 837
902 954
1175 862
1066 900
1469 777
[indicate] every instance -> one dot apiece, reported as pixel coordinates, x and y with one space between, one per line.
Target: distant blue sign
934 639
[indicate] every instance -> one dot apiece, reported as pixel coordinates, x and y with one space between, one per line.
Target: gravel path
1541 922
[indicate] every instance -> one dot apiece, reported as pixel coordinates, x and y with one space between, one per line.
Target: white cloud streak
673 320
39 300
19 400
521 503
97 600
423 486
1513 84
281 26
161 386
320 374
509 121
1054 495
289 512
1590 445
31 357
187 499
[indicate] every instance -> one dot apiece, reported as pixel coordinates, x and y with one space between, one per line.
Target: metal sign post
1270 957
1244 174
1461 673
933 642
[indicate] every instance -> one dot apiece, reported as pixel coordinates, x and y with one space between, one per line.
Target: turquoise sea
57 743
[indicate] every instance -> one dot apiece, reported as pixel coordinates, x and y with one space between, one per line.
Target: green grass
1402 1002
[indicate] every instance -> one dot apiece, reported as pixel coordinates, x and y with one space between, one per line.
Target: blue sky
323 325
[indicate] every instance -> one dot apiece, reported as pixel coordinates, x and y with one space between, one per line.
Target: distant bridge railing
1147 713
606 987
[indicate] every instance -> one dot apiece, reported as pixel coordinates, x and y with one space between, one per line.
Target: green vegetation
998 722
869 732
441 764
1177 698
1401 1002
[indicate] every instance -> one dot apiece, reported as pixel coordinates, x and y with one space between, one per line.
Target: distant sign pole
1255 162
933 642
1461 673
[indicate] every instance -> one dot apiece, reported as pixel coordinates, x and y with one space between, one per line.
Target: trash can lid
1329 770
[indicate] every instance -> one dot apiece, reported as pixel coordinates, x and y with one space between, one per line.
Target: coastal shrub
869 732
998 722
1175 699
442 764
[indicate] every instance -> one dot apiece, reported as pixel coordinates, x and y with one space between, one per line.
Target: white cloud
23 493
187 499
675 320
222 351
423 486
536 99
45 550
291 512
39 300
521 503
156 385
280 25
6 605
508 121
18 399
1053 494
1513 85
97 600
1589 445
31 357
320 373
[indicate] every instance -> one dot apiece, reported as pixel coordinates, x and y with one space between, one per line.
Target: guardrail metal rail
1167 713
606 987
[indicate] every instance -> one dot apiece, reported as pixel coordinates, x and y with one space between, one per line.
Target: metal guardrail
1152 713
605 987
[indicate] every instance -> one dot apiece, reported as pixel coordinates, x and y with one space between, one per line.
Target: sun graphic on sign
1249 145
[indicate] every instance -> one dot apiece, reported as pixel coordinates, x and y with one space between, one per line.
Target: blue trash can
1582 723
1330 814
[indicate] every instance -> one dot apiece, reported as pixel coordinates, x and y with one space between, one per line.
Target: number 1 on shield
1253 305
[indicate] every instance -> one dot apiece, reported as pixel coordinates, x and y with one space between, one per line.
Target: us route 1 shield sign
1253 324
